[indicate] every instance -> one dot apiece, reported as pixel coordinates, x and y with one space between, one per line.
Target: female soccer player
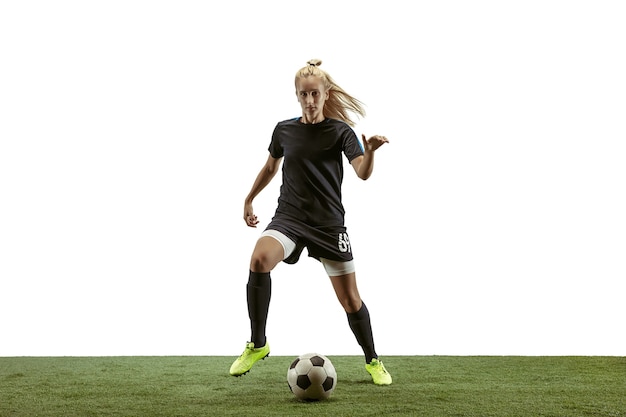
310 212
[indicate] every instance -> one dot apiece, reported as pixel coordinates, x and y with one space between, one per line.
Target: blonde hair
339 103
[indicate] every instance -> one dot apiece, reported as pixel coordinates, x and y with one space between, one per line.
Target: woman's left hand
374 142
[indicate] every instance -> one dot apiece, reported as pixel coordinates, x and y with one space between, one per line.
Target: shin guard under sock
259 291
362 329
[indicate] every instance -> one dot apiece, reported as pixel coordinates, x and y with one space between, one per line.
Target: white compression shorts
333 268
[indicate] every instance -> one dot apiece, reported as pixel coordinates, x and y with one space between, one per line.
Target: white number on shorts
344 243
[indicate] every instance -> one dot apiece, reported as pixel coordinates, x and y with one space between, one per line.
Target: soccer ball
312 377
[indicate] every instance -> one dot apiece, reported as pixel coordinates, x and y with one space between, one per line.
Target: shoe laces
379 365
249 348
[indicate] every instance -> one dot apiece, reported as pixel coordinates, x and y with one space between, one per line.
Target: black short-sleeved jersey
313 168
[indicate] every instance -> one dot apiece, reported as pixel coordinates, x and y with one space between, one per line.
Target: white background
131 132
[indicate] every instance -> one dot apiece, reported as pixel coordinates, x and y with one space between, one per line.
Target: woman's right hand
248 215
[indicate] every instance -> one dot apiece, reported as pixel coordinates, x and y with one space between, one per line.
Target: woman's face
312 95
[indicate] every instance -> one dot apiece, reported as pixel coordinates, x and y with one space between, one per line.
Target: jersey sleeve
352 147
275 148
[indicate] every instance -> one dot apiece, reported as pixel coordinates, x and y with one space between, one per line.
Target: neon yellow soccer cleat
378 372
249 357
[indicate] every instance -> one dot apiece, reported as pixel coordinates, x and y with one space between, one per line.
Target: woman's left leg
343 278
358 316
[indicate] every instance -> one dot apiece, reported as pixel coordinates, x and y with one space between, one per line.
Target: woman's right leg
267 253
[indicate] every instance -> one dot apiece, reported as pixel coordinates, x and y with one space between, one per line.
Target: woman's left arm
364 165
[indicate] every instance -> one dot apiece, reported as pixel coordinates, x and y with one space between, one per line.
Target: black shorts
330 242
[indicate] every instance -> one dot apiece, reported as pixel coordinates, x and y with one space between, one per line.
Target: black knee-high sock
259 291
362 329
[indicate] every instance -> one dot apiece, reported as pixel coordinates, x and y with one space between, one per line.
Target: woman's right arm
266 174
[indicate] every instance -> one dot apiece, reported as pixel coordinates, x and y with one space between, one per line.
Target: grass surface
423 386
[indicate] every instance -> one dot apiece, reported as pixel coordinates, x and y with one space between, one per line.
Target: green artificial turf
423 386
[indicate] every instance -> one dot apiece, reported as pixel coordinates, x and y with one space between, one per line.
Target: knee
351 303
261 262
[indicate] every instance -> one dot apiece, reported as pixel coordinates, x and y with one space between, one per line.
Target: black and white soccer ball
312 377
